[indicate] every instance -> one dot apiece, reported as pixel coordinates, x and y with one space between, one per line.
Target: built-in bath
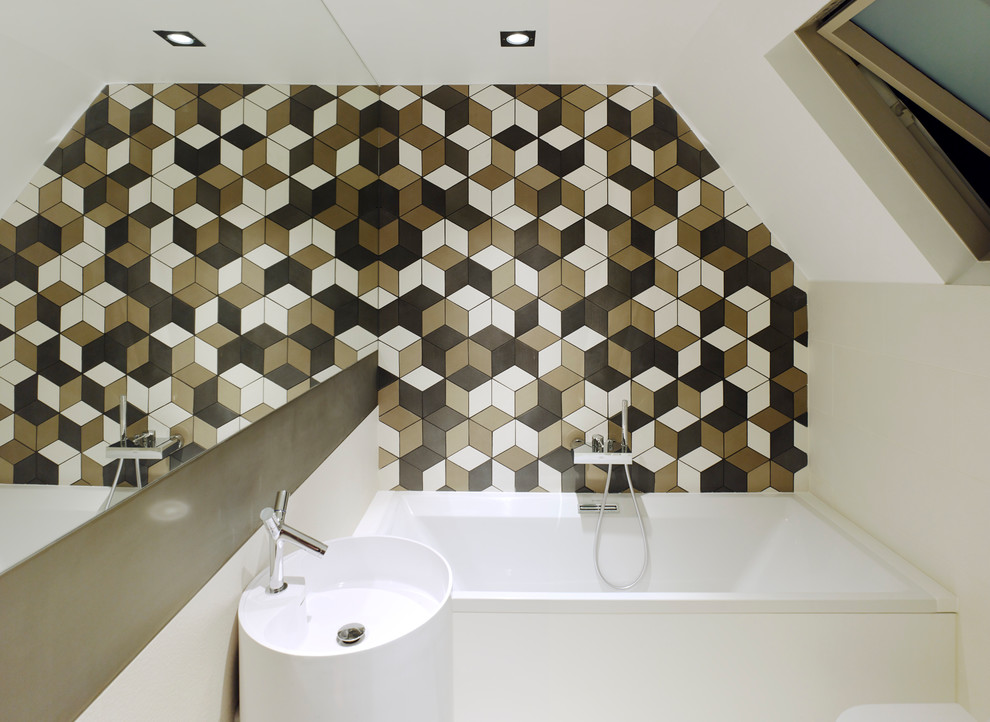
38 514
754 607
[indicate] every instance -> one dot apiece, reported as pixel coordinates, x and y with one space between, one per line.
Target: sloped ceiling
708 57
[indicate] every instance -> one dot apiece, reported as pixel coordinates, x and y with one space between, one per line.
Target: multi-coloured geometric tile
522 257
548 251
199 248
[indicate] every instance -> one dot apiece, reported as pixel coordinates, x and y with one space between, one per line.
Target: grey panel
75 614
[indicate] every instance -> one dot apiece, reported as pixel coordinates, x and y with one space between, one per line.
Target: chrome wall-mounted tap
273 519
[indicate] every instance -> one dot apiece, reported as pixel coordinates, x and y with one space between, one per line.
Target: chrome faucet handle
280 532
281 505
268 518
597 443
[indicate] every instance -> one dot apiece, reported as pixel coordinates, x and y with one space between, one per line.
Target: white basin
292 665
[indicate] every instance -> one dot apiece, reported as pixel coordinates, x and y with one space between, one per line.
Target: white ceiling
707 56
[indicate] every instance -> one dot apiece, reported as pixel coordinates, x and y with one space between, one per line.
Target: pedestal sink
362 634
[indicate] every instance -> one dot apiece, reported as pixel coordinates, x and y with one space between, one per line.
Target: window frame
961 208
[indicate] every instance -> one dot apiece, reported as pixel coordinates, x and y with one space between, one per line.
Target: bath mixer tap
280 532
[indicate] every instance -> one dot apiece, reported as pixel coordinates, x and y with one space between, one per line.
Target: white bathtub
755 607
35 515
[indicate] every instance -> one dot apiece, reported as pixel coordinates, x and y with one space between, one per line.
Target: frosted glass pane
947 40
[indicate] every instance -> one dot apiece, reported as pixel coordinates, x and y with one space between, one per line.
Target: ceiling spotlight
182 38
518 38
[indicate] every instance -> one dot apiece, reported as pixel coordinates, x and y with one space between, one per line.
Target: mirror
177 248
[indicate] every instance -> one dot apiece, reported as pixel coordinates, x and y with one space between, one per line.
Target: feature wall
523 258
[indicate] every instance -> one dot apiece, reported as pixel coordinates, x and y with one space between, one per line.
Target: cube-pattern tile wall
180 247
522 257
548 251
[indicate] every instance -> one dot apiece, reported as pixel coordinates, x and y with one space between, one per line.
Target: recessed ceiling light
182 38
518 38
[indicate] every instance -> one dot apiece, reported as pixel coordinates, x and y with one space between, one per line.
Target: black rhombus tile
781 359
276 276
445 338
446 418
457 116
608 298
216 415
313 97
310 336
434 359
36 413
445 97
480 477
618 118
59 373
149 374
595 359
631 338
781 439
527 478
791 299
128 176
468 217
219 255
723 419
410 477
422 458
527 317
700 378
538 418
264 335
491 337
515 137
150 215
48 354
468 378
734 399
287 376
769 338
549 117
607 378
689 438
70 433
527 358
243 137
631 177
503 357
206 394
434 437
792 459
560 162
560 459
288 216
26 392
608 217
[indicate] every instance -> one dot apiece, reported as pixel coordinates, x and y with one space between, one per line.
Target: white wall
43 96
188 671
900 428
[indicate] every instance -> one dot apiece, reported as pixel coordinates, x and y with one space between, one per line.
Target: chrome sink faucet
273 519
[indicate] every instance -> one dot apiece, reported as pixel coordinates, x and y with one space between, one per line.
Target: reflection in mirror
155 256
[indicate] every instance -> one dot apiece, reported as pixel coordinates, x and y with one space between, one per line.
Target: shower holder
119 451
584 455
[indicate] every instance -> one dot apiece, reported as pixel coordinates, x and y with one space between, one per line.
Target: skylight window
928 61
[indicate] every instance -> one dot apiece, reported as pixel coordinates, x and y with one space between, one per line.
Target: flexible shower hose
642 529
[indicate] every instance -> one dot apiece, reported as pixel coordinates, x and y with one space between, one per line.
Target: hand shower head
625 427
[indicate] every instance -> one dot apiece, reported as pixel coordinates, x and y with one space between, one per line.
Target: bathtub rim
932 597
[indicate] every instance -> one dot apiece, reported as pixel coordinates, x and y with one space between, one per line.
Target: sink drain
350 634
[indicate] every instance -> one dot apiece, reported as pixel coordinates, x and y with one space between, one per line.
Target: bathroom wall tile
511 251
